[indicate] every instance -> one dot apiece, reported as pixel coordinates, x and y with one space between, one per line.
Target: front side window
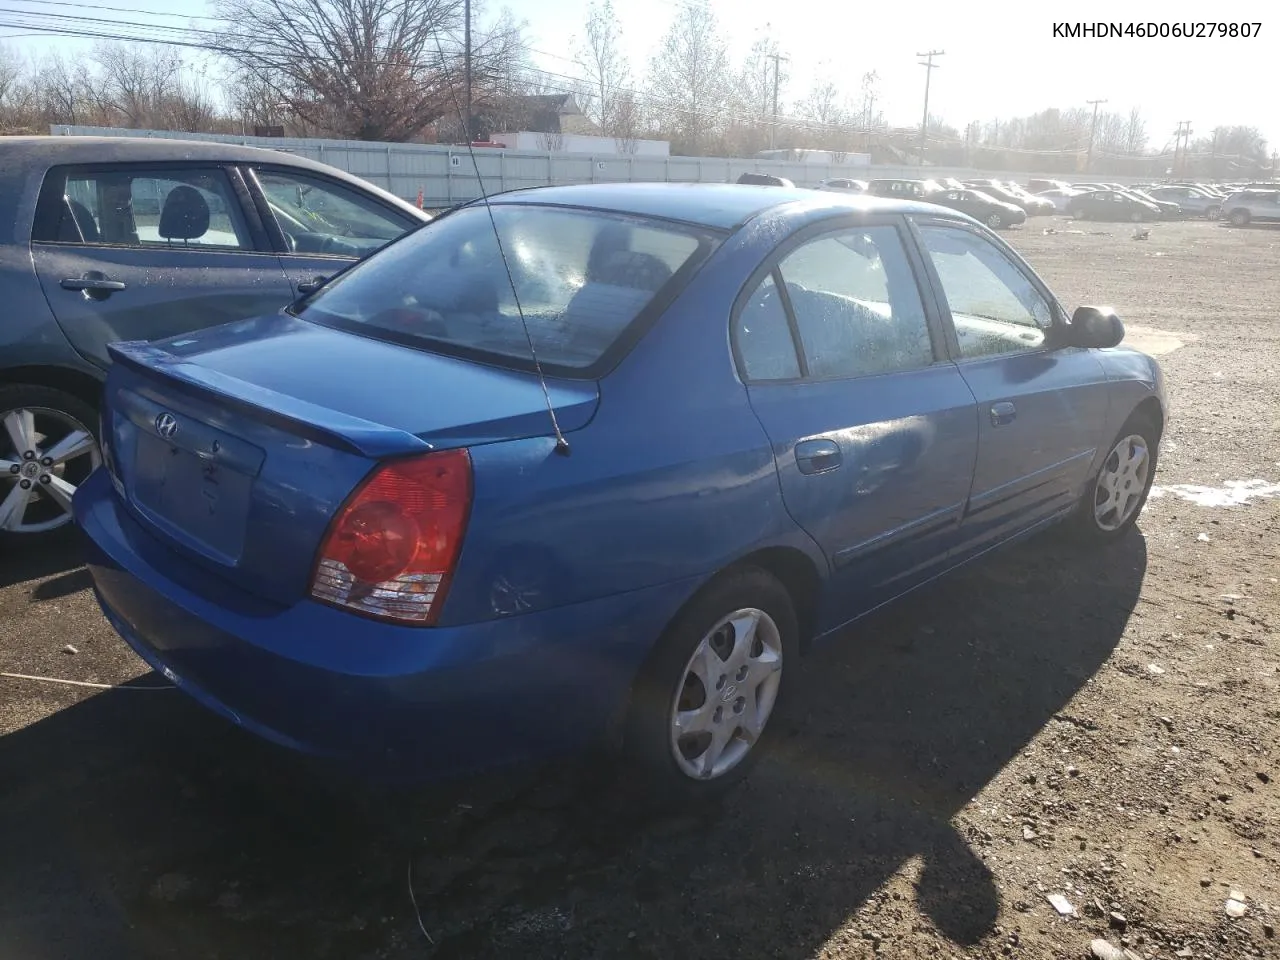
317 216
580 278
994 306
123 206
854 304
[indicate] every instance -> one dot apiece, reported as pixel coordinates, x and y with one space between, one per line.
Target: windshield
582 278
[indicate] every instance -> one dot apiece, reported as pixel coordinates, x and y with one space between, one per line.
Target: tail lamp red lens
391 550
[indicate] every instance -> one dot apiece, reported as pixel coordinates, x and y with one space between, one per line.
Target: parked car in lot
1039 187
902 189
1111 205
1059 197
1191 200
1249 206
996 214
997 190
126 239
355 527
1035 206
764 180
843 185
1168 209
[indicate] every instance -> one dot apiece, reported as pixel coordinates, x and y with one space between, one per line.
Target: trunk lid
238 444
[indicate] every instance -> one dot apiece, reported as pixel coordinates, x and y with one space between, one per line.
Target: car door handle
1003 413
92 284
817 456
312 285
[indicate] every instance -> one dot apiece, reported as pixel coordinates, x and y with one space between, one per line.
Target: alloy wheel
45 454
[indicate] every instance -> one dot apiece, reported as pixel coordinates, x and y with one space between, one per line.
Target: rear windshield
581 279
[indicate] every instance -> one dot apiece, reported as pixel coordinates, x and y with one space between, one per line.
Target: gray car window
126 206
318 216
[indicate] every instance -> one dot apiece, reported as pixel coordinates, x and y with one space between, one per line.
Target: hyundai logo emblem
166 425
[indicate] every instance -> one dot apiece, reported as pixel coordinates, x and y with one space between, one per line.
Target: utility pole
773 130
1093 129
929 66
1181 142
467 68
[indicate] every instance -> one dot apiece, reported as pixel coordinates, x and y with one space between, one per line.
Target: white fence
445 174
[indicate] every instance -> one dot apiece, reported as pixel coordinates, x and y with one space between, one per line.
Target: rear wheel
1240 218
1138 216
48 447
995 221
701 707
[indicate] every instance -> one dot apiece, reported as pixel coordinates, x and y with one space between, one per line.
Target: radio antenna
562 445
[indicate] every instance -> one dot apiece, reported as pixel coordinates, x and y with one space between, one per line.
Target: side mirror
1094 328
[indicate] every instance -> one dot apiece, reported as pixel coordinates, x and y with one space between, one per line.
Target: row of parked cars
1005 203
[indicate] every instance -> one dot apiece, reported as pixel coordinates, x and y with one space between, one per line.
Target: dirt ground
1101 727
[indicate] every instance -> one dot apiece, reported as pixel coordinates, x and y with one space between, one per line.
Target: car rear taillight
391 550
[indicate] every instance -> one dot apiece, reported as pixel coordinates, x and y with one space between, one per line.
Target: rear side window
142 207
582 278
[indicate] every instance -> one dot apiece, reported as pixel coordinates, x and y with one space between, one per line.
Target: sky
999 62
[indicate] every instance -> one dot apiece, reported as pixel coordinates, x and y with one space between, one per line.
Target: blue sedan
594 466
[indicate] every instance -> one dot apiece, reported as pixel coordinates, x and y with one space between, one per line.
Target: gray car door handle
93 284
1003 413
817 456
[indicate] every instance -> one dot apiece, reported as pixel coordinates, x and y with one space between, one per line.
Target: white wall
579 143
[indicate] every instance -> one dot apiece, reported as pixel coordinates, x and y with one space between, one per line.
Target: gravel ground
1102 728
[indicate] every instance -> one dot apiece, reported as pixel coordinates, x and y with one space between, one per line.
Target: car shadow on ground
20 562
135 825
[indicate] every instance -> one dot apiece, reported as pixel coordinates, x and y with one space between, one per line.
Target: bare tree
364 69
689 77
608 73
1135 134
627 118
871 117
551 141
134 82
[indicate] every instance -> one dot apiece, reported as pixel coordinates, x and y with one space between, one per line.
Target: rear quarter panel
673 478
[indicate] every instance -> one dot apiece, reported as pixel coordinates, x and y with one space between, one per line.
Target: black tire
1138 216
20 396
1240 218
648 754
1083 524
995 221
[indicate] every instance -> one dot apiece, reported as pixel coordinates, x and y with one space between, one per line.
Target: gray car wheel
48 447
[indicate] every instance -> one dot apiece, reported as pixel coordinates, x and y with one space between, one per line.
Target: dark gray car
1191 200
119 238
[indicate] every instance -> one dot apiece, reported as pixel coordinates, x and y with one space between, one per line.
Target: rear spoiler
309 420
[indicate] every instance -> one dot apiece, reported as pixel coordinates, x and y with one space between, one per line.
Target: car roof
20 157
720 206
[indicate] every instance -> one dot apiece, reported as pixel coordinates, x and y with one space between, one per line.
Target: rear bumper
411 701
